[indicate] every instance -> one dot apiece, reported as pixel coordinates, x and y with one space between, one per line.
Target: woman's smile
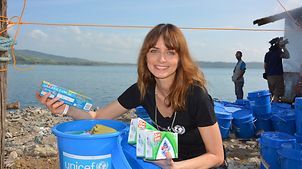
162 62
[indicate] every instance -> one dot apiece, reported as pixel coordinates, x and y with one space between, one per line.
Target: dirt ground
242 155
37 163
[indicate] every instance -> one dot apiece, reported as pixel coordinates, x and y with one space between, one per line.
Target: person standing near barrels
238 73
273 67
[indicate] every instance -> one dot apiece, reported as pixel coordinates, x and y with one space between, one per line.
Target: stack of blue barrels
270 144
243 123
283 118
282 149
298 114
261 106
224 119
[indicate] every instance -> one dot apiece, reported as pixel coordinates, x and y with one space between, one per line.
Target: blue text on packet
67 96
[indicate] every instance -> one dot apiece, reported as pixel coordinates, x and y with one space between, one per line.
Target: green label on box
158 143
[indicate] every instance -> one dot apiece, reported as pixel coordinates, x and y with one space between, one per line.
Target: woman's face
162 62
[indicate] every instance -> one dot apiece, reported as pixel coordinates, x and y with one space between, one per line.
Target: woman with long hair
172 88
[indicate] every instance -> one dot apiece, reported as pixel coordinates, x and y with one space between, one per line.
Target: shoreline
29 142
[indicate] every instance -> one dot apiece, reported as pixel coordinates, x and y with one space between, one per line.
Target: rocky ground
29 143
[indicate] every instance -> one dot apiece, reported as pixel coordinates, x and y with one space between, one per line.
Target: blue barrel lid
233 108
298 102
218 108
264 116
259 93
223 115
275 139
287 114
242 101
140 109
291 151
281 105
243 114
218 104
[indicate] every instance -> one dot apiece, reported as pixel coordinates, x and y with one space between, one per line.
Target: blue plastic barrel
281 105
290 155
218 105
263 123
243 102
142 113
243 115
224 121
225 132
298 111
90 151
298 137
243 123
284 121
262 110
224 118
270 142
261 97
260 101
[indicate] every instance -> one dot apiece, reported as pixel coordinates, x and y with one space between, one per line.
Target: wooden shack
293 32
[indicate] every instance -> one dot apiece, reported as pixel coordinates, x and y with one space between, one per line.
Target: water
105 83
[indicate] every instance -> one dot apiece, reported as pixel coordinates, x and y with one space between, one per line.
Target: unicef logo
179 129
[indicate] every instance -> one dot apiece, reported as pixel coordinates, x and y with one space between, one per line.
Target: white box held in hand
160 142
141 142
134 125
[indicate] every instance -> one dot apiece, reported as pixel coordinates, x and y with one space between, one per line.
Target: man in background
273 67
238 73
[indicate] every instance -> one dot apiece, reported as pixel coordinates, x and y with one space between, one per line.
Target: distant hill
34 57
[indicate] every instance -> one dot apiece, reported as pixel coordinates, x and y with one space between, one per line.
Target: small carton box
140 142
160 142
67 96
136 124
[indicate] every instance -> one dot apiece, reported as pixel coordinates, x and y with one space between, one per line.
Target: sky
122 45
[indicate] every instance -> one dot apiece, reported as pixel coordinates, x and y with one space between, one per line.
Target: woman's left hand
167 163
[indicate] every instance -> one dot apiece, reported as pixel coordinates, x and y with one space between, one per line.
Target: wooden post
3 86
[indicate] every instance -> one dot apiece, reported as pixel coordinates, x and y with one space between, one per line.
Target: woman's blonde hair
187 72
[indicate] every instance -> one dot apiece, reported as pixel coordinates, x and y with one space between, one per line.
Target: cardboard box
160 142
67 96
134 125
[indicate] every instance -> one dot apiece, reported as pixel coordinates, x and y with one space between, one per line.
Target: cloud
87 43
38 34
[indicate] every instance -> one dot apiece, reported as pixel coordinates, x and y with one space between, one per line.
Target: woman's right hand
54 105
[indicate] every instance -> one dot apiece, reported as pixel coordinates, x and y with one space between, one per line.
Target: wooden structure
3 85
295 13
293 32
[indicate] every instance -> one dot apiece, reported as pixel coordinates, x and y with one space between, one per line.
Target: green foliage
33 57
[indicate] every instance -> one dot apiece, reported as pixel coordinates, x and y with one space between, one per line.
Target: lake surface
105 83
